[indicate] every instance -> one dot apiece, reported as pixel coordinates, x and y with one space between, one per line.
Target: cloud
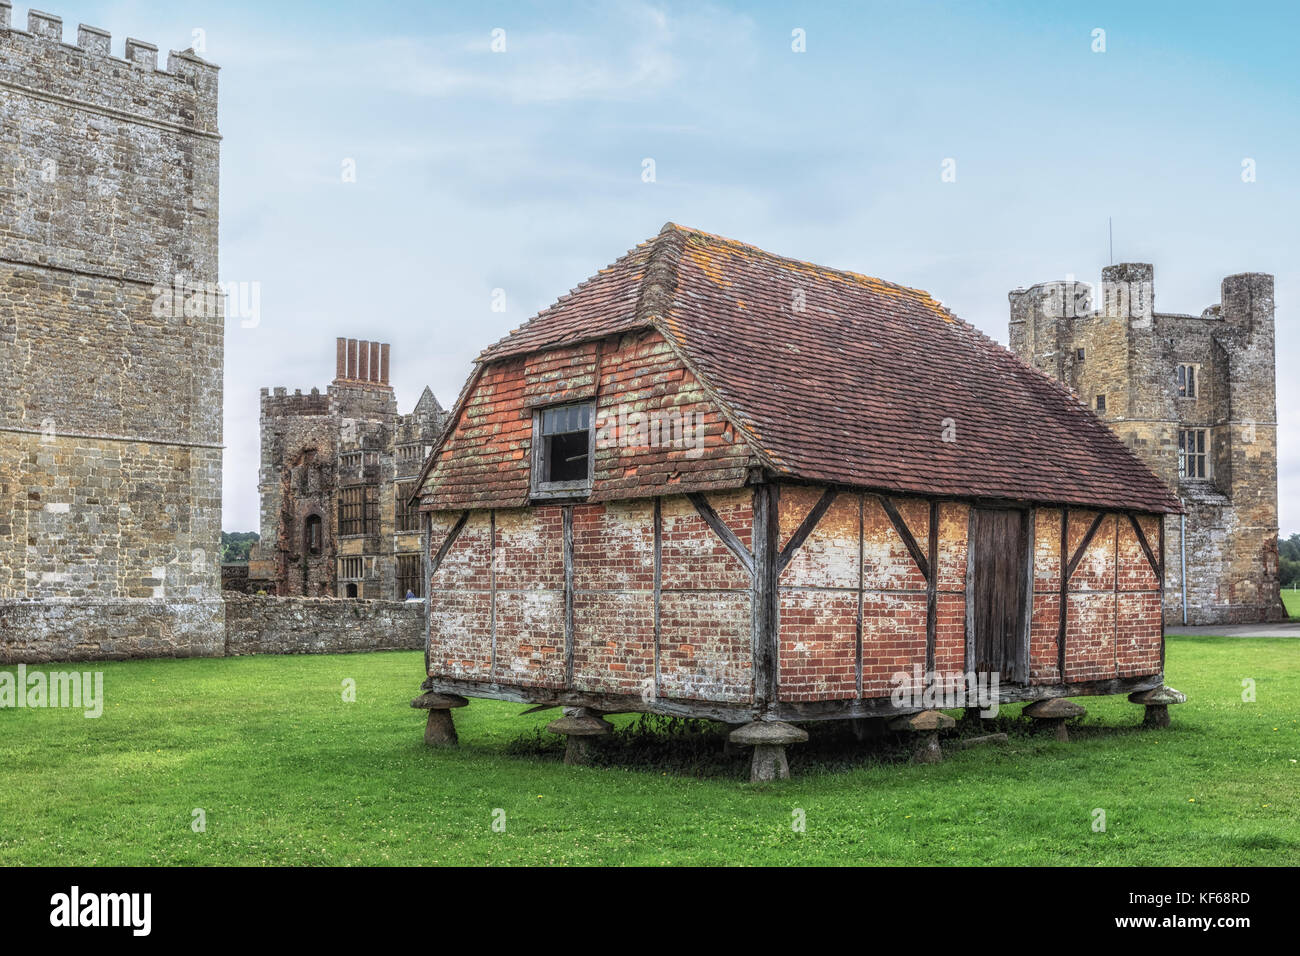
626 52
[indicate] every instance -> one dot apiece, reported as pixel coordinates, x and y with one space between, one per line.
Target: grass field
286 772
1291 600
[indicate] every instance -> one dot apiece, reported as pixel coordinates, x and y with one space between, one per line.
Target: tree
235 546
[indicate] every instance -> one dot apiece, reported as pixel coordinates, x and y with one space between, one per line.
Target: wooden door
998 615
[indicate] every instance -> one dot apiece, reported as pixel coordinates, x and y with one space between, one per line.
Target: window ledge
561 489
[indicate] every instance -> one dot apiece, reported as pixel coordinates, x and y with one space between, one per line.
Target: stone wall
37 631
110 418
296 625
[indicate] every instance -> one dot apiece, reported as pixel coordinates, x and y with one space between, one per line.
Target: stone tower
111 338
1194 396
336 472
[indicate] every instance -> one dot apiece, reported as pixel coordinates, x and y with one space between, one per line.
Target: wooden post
765 606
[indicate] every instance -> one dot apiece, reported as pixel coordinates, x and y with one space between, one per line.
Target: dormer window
562 450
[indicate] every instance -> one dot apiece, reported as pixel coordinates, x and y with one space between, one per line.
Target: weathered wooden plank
765 612
426 570
1002 569
970 591
658 585
728 537
1021 668
862 584
1162 594
605 703
568 595
905 533
742 713
932 588
805 528
492 587
1065 593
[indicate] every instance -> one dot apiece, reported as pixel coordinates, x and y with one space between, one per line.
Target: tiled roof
841 378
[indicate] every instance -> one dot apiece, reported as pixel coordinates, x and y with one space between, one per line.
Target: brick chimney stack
360 363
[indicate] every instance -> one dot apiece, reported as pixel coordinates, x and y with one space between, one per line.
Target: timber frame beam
544 697
720 528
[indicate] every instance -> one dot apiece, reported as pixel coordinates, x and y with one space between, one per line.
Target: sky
500 151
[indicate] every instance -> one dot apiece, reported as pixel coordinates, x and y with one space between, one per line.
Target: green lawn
288 773
1291 601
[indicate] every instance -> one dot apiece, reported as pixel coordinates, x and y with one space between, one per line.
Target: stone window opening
1193 453
1078 355
563 437
1187 380
409 576
406 515
1101 404
359 510
312 534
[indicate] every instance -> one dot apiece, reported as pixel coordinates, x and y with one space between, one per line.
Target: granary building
1194 397
716 482
335 483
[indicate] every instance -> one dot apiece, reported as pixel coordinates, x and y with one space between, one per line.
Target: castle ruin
1194 396
110 414
336 475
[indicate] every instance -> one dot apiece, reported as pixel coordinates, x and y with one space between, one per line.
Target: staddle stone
761 733
1054 707
433 700
1157 701
581 725
1052 713
926 720
1162 696
440 731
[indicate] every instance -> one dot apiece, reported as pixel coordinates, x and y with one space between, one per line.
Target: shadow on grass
698 748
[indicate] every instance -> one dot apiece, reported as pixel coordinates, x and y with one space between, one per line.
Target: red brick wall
460 636
1113 624
705 648
852 575
950 629
528 565
613 601
1045 620
706 630
855 545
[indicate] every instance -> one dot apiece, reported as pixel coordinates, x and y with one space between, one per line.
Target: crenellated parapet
183 95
